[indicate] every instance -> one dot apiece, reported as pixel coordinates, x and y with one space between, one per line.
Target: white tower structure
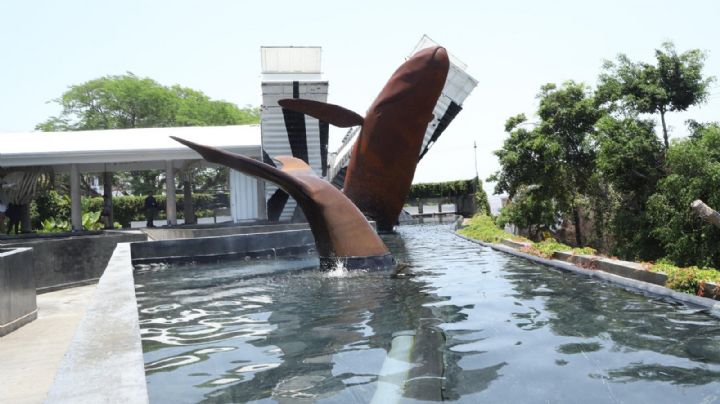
291 72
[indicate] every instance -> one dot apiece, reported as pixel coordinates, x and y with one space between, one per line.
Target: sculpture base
372 263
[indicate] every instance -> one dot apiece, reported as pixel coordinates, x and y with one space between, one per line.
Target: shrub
482 227
126 208
689 279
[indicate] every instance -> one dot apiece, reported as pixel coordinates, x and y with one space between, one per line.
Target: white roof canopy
122 149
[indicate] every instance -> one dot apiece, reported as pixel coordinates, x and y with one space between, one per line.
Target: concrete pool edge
713 306
104 362
237 246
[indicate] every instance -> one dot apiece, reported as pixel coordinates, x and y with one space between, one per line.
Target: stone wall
73 260
275 243
18 304
170 233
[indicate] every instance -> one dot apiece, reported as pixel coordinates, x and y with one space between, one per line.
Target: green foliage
50 225
481 201
90 221
531 210
482 227
674 83
442 189
55 209
129 101
694 173
549 246
551 164
48 205
629 161
688 280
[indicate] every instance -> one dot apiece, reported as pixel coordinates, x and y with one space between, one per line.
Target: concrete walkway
30 356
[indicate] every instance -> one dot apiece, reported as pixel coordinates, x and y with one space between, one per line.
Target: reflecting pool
465 324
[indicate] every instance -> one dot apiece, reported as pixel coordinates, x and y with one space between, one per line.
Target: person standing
3 209
151 206
14 213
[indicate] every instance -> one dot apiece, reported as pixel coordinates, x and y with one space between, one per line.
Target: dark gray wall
18 304
171 233
72 260
276 243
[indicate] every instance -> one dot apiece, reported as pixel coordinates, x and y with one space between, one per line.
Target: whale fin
339 228
322 111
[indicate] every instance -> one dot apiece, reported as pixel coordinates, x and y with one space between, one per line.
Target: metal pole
170 208
75 206
475 151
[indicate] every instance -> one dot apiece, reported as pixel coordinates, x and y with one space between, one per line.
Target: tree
555 159
128 101
694 173
674 84
629 162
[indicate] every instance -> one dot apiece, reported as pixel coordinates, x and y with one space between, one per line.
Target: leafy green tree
128 101
629 161
674 83
694 173
482 203
556 157
530 209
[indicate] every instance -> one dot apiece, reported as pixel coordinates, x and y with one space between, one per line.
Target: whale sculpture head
383 159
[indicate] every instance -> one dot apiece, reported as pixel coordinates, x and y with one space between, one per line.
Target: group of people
12 213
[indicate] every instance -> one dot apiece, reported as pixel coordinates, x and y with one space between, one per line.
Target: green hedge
125 208
443 189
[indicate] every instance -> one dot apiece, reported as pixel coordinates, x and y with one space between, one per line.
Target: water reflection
485 327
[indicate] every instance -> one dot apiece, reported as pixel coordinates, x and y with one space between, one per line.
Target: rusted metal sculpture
341 231
383 160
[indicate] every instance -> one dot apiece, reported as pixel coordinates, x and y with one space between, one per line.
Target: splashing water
338 271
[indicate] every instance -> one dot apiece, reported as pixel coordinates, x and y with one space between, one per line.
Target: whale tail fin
333 114
339 228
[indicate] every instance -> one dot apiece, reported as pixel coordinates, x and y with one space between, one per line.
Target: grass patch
689 280
482 227
547 247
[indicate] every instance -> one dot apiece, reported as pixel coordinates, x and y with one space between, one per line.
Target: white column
261 208
75 206
171 207
243 196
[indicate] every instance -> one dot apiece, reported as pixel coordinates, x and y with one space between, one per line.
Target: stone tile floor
30 356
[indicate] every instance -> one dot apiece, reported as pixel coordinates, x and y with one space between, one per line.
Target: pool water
467 324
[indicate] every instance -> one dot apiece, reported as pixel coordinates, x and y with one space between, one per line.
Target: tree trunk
25 218
706 213
664 126
107 200
188 210
576 220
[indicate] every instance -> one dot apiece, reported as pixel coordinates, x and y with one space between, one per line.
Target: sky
511 47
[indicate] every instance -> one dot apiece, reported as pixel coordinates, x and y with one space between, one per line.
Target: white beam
171 207
75 205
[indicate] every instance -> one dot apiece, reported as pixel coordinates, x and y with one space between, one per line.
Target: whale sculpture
384 158
340 230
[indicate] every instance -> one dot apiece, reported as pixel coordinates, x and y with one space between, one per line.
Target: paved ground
29 357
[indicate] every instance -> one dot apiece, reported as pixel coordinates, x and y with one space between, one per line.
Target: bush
443 189
126 208
688 280
482 227
547 248
482 205
694 173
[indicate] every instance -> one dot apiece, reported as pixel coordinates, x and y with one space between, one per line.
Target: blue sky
511 48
